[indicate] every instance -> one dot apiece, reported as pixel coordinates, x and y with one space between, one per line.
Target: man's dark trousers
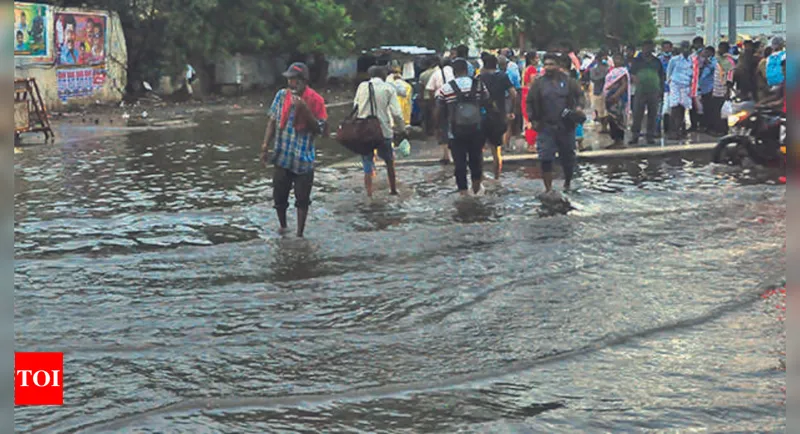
652 102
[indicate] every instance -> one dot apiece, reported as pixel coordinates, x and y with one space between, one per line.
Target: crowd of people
469 105
690 78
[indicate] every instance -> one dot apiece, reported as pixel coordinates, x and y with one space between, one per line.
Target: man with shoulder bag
378 98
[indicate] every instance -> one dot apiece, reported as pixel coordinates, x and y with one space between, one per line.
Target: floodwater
152 261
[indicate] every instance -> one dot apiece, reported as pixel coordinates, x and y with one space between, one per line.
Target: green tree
163 35
431 23
587 23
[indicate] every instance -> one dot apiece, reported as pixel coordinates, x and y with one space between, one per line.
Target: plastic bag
404 148
727 110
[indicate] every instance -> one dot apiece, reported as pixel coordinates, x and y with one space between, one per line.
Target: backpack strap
372 108
457 90
473 92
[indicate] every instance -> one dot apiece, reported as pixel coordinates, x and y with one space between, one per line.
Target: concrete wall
103 82
345 68
251 71
248 71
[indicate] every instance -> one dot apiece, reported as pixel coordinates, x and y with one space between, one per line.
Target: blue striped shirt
293 151
706 84
680 71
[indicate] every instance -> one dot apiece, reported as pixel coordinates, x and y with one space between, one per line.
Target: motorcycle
757 133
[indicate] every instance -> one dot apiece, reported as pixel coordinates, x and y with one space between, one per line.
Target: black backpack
466 118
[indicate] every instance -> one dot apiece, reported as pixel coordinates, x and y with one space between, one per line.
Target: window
688 16
778 13
749 12
667 17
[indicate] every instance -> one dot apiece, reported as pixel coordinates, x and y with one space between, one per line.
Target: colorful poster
80 39
30 30
79 82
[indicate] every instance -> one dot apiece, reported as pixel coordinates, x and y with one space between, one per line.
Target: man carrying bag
461 104
376 107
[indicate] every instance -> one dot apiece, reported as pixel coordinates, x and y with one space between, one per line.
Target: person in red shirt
531 60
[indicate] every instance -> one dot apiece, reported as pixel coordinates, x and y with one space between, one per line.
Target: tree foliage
162 35
431 23
586 23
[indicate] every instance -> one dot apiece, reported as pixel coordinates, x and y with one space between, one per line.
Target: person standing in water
438 79
459 106
497 117
378 98
530 74
296 117
555 106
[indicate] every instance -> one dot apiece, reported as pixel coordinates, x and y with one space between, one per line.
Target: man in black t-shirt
555 107
497 83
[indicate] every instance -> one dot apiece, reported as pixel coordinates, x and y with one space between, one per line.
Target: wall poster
30 30
80 39
79 82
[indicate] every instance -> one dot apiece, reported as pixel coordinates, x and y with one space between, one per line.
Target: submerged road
152 261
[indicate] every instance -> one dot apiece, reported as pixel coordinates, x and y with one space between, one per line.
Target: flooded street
153 262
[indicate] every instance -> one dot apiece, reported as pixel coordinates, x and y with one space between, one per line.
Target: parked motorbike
757 133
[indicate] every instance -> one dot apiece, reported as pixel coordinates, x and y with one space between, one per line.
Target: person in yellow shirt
404 90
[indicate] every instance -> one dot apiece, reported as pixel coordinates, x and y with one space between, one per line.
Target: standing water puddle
152 261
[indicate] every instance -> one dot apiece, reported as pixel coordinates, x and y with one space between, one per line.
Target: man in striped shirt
296 117
723 82
680 78
467 150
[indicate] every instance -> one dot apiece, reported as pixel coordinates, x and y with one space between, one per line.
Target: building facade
682 20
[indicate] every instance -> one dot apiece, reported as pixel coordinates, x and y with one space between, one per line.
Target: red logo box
38 378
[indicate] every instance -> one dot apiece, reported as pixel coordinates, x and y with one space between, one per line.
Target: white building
682 20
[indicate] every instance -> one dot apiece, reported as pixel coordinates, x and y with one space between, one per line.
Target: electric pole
732 36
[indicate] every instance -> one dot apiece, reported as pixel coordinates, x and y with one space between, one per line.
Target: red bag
530 137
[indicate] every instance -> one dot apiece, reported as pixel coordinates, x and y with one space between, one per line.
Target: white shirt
386 104
436 82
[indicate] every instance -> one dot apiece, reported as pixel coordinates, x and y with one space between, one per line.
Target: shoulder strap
444 77
372 108
457 90
473 92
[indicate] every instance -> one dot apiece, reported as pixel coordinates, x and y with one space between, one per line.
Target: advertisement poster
79 82
30 30
80 39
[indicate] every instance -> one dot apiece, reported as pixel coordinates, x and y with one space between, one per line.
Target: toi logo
38 378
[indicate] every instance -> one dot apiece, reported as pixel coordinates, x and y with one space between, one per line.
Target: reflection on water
153 262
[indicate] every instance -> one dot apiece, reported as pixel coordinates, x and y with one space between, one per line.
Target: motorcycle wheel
763 156
731 150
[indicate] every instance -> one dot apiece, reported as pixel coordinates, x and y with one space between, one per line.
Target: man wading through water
555 107
297 116
497 117
386 107
460 104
